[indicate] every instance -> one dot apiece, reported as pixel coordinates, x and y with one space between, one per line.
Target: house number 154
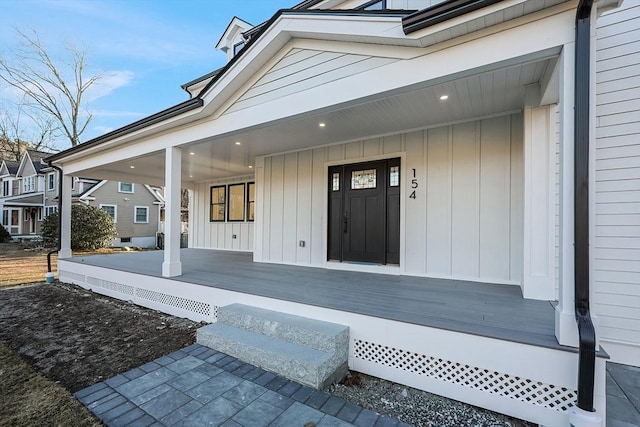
414 185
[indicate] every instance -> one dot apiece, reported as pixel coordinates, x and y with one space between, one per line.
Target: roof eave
174 111
442 12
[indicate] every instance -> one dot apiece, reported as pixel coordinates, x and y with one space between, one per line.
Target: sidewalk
198 386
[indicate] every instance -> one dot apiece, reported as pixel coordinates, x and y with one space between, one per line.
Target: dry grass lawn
18 266
30 399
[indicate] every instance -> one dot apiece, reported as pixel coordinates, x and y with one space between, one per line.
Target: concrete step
317 334
311 352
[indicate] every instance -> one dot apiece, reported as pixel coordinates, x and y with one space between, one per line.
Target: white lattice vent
74 277
112 286
513 387
171 300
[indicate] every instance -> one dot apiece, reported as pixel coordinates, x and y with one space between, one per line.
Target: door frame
373 268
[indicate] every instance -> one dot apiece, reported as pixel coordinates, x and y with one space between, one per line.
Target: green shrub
4 235
91 228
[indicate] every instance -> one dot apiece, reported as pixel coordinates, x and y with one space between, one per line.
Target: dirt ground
77 338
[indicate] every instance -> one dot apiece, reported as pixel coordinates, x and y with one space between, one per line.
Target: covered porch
484 309
481 343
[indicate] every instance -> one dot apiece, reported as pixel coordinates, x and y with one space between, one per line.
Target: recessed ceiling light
238 143
192 153
132 167
321 125
250 167
444 97
190 176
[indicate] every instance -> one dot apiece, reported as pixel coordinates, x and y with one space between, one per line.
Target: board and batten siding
218 235
617 194
466 219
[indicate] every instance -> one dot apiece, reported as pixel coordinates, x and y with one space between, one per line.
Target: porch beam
65 214
173 164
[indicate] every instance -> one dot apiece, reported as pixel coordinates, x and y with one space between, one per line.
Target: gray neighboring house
29 193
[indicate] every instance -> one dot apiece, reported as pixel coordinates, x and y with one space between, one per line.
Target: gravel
416 407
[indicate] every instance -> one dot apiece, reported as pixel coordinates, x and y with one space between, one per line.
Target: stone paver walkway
197 386
623 395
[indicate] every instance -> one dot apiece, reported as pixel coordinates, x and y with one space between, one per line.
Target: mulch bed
77 338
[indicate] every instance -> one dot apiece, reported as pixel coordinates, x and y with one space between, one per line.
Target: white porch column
172 181
65 233
566 327
539 211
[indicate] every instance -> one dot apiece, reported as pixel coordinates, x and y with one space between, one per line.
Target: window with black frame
251 201
236 202
218 204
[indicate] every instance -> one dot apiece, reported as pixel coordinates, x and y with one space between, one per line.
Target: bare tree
16 135
56 88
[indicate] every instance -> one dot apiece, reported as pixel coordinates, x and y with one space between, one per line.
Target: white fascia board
154 193
496 10
4 169
86 196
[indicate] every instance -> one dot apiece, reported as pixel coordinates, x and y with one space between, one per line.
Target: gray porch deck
490 310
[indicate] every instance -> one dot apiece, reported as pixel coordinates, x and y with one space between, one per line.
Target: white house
415 139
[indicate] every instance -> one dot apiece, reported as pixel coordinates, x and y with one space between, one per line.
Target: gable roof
9 167
33 157
87 194
36 156
198 100
236 23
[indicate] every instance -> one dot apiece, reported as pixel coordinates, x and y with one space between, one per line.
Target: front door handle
346 221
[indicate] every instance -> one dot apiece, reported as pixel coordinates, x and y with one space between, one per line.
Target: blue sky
147 48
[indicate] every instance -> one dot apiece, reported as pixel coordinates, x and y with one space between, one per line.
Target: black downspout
586 330
59 245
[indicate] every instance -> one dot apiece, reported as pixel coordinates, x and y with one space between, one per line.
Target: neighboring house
135 209
414 138
30 194
23 194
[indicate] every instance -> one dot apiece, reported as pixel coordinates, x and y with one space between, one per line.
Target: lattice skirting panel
178 305
499 383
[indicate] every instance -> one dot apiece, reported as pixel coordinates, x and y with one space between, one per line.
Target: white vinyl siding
466 221
218 235
617 230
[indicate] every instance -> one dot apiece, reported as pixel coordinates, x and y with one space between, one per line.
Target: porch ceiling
477 95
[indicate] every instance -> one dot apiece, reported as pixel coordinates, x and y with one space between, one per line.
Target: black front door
364 212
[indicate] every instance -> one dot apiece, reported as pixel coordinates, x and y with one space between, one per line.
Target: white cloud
108 83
